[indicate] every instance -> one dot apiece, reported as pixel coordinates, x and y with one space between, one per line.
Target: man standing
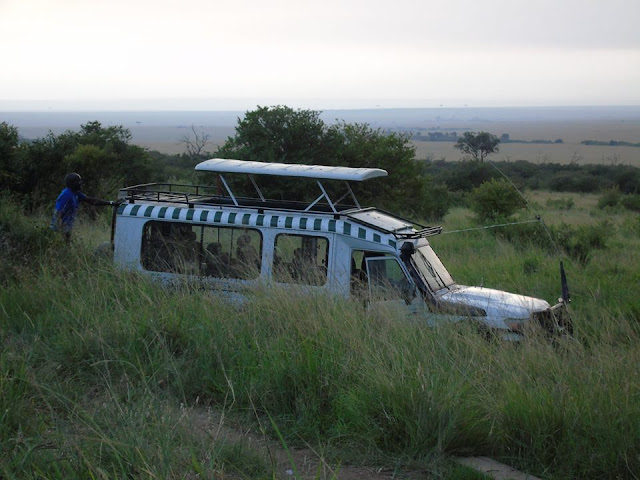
67 204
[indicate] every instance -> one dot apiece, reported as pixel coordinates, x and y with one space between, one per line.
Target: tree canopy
282 134
103 156
478 145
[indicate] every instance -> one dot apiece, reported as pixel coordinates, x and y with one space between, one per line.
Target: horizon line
235 110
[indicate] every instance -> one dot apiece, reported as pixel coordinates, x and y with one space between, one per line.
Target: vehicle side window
170 247
387 281
301 259
359 276
222 252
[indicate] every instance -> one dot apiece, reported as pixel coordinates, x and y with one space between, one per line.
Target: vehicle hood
497 304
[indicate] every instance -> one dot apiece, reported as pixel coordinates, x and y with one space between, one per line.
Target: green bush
572 177
580 242
631 202
22 243
577 242
609 198
495 200
561 203
461 176
104 156
526 235
436 203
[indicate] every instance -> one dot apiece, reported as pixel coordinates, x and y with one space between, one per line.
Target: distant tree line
436 137
464 176
610 143
506 138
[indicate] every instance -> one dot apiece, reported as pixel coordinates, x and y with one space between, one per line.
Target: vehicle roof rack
425 232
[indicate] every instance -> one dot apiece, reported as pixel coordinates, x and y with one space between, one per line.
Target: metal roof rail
425 232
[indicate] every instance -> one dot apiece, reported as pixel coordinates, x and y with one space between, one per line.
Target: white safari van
231 243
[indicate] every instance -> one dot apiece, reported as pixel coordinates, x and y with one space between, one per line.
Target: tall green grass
102 374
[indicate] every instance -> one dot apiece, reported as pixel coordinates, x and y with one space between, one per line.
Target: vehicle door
390 286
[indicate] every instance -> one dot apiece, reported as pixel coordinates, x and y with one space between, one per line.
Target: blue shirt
66 207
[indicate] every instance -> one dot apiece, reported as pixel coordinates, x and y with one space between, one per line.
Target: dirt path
307 464
296 463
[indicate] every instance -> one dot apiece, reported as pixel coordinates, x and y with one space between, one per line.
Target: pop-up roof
221 165
317 172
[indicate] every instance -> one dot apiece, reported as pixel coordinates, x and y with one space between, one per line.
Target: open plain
163 131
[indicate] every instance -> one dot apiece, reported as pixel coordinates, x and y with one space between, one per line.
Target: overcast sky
210 54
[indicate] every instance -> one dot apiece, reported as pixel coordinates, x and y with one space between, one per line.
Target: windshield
431 269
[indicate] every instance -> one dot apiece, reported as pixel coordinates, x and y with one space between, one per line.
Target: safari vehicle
231 243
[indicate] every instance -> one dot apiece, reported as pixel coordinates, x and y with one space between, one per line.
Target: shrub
579 242
462 176
494 200
436 202
22 244
609 198
631 202
561 203
527 235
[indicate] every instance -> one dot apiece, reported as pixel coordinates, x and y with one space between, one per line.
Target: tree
279 134
282 134
478 145
195 143
9 152
359 145
102 155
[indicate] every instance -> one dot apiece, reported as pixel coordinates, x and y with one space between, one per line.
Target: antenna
564 285
555 245
566 297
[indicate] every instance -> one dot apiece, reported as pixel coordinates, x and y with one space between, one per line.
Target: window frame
294 270
201 236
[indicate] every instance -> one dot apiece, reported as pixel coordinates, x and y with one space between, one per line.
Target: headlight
462 310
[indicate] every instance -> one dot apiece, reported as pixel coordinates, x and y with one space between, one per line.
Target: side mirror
406 251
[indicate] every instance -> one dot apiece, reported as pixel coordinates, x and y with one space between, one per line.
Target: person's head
73 181
243 240
214 248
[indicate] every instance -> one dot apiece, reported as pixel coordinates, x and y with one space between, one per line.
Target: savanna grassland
571 150
542 153
105 375
167 140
